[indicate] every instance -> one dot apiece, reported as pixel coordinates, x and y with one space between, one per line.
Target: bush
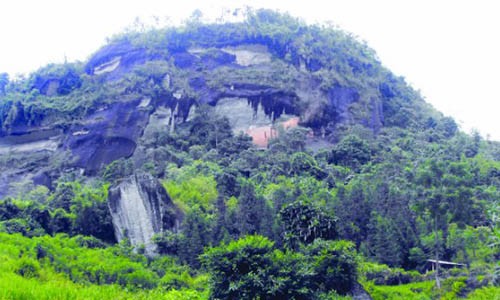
419 290
351 152
241 269
28 268
118 169
168 242
176 281
89 242
138 279
8 209
16 226
485 293
383 275
250 269
334 264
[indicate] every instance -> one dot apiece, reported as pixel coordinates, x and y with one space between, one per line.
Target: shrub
334 264
383 275
28 268
16 226
241 269
89 242
351 152
138 279
250 269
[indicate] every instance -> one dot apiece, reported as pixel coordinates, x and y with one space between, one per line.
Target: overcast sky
449 50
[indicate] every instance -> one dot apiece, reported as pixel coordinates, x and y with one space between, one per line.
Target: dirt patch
263 134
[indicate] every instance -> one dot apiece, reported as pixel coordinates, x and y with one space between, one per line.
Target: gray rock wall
140 208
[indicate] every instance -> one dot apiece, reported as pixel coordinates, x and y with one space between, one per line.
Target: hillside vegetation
371 184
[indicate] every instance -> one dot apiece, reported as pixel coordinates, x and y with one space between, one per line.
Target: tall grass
13 286
58 268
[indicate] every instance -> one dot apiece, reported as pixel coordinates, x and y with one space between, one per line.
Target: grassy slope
425 290
41 280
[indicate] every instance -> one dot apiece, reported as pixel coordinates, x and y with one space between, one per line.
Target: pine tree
252 210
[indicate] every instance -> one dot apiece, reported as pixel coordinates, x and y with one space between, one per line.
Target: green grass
425 290
13 286
416 291
486 293
68 271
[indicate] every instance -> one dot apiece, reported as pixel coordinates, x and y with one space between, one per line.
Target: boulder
140 208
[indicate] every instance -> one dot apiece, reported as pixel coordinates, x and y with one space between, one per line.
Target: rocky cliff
140 208
259 74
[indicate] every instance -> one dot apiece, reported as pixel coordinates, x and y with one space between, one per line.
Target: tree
94 219
232 146
61 221
292 140
168 242
448 126
351 152
445 195
383 241
252 210
242 269
8 210
251 268
303 163
304 223
195 237
209 129
63 196
353 211
195 19
335 265
118 169
437 212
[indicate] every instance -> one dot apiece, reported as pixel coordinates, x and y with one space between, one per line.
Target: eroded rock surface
140 208
249 83
247 55
116 59
245 118
107 135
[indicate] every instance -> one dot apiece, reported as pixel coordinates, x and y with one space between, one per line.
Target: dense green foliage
71 208
251 269
290 221
74 268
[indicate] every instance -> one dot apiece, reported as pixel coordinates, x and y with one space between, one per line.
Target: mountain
251 141
258 77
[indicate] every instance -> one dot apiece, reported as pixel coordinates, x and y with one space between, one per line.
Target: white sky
449 50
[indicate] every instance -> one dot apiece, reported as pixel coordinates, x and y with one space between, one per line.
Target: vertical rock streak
139 206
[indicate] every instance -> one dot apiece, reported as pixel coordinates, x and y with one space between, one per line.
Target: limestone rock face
154 91
340 99
106 135
116 59
140 208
